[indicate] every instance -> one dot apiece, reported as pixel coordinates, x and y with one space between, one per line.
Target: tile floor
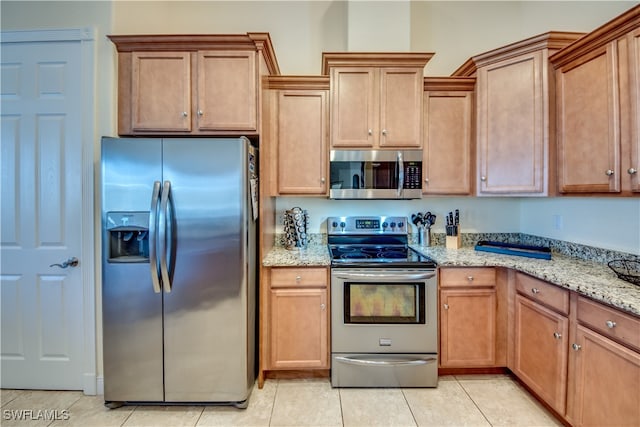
486 400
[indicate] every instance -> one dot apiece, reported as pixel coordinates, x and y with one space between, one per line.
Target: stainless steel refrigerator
178 270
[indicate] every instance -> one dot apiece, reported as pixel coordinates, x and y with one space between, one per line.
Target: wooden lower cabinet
468 328
298 328
541 347
295 316
606 382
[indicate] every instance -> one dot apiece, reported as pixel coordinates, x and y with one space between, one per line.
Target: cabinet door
467 327
541 349
400 108
447 143
354 110
298 329
513 125
633 169
227 96
607 382
302 142
588 114
161 91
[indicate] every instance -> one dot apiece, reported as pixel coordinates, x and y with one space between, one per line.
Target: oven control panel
367 225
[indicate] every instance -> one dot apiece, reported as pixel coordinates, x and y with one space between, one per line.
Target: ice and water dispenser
128 234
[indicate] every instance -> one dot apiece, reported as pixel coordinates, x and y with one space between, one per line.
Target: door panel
131 311
205 335
42 304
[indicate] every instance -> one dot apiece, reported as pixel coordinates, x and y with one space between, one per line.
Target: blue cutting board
539 252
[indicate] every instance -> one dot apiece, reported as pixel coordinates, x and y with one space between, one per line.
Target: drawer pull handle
535 290
470 278
557 335
576 347
611 324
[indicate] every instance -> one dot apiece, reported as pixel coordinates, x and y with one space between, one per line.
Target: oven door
377 310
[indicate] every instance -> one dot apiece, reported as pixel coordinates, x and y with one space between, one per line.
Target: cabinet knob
426 180
200 113
576 347
557 335
322 180
470 278
609 172
184 114
370 132
483 178
384 132
535 290
298 278
446 306
632 171
610 324
322 307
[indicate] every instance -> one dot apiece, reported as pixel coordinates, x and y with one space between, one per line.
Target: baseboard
100 385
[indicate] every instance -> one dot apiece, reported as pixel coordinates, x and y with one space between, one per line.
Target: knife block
453 242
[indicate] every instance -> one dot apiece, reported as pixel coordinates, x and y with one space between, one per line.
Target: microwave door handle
383 276
400 173
153 240
163 225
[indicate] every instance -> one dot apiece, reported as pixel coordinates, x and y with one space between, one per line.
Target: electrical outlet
558 222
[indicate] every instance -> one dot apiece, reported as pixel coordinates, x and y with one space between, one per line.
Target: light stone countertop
591 279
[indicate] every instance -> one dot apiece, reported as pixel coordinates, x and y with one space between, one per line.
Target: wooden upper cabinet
161 91
376 99
298 134
597 109
191 84
448 135
227 91
515 133
633 166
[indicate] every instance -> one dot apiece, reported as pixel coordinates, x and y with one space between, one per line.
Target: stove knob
334 224
400 224
343 224
393 225
385 225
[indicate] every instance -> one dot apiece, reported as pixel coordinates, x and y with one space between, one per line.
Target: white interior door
41 216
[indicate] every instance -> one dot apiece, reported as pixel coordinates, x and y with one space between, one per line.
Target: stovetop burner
372 241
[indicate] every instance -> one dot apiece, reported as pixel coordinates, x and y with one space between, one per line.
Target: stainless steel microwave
375 174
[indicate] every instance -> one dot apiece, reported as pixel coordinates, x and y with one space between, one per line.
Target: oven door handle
369 362
355 276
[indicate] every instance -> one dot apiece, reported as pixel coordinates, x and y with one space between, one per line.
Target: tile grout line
340 401
410 410
273 404
474 402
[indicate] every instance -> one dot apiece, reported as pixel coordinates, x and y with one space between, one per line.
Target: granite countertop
594 280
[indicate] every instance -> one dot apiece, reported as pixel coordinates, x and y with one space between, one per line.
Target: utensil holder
453 242
424 236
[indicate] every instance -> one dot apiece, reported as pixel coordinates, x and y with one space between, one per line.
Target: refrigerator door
131 310
206 330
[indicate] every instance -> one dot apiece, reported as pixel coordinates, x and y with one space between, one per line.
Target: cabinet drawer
295 277
464 277
609 321
545 293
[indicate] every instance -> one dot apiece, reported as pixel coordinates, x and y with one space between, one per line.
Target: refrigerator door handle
153 240
163 225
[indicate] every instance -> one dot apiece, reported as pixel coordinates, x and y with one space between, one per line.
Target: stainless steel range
384 330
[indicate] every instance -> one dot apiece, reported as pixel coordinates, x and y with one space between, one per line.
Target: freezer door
131 310
206 329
